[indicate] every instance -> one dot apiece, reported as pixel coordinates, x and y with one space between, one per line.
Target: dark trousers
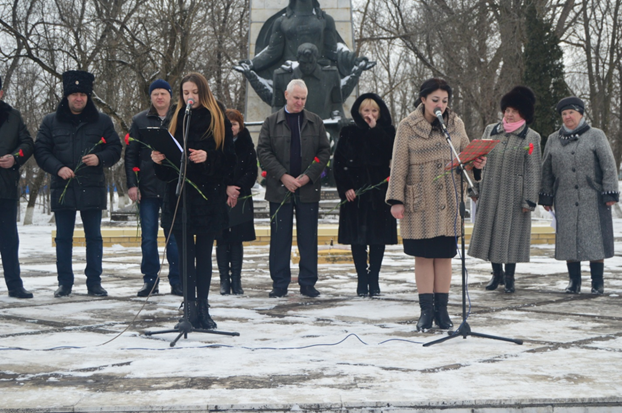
359 255
150 264
229 256
198 263
65 224
9 244
281 231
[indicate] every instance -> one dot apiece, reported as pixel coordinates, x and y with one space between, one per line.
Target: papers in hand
475 149
162 141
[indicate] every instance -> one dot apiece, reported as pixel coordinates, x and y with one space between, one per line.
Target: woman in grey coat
509 189
580 181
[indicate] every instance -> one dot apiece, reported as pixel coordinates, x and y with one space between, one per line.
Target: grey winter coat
579 176
510 182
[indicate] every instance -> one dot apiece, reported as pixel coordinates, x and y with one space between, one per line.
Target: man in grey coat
293 149
16 146
580 179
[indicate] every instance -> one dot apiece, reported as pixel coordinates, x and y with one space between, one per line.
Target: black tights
199 271
359 254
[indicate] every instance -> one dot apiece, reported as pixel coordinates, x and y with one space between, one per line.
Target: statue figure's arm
262 86
349 82
273 52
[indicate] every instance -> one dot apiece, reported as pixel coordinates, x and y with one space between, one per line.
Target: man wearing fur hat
16 147
74 145
508 191
146 189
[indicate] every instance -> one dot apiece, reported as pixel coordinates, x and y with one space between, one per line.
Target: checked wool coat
510 182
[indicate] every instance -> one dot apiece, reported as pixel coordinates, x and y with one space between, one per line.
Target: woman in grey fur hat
580 182
508 191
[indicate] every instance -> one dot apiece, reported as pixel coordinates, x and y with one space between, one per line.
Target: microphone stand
464 329
184 326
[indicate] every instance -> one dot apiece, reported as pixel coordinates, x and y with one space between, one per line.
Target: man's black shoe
176 289
277 293
62 291
146 290
97 291
309 291
20 293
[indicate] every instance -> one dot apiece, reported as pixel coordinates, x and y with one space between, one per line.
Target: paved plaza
338 352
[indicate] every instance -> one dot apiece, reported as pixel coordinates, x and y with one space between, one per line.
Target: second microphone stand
464 329
185 326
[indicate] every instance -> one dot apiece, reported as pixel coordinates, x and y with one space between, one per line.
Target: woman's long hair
207 100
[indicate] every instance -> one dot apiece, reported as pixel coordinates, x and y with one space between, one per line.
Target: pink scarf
511 127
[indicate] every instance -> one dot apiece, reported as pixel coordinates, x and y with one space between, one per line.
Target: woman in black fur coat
229 249
362 158
211 159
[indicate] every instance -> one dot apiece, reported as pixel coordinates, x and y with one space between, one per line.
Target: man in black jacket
16 147
145 188
74 145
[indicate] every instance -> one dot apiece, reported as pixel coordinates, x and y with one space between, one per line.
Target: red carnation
530 148
316 159
21 153
127 138
136 169
264 173
388 177
103 140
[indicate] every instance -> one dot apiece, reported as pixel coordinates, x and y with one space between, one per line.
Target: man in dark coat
293 149
74 145
147 190
16 147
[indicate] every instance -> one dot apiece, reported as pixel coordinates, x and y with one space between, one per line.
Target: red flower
316 159
103 140
127 138
388 177
264 174
530 148
136 169
21 153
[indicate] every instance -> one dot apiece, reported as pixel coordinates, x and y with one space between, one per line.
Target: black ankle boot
497 277
509 278
374 284
205 320
598 283
441 316
574 273
426 303
362 285
193 315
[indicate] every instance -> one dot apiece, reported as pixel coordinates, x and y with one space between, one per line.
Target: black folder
162 141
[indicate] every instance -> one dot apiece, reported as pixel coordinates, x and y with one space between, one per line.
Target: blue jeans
65 224
150 265
9 244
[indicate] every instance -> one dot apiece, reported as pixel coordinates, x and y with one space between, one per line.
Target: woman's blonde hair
207 100
371 103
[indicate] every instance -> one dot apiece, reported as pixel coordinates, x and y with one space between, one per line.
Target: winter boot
205 320
598 284
441 316
222 259
359 255
426 303
574 273
509 278
374 284
497 277
236 269
193 317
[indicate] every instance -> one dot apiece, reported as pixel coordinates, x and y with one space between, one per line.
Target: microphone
189 105
439 115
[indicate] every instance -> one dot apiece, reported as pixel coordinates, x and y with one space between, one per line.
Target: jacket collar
90 113
280 117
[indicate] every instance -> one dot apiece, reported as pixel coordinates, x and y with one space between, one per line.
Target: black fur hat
522 99
77 81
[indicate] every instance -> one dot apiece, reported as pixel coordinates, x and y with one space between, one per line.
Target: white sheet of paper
176 143
553 220
473 211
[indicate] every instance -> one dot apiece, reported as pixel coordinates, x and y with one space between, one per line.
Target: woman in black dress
211 159
362 159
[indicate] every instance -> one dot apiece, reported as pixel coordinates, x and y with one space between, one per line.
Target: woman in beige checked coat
424 198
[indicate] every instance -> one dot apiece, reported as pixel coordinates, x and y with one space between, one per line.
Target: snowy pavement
338 352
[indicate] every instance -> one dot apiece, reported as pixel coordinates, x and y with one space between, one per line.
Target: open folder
162 141
475 149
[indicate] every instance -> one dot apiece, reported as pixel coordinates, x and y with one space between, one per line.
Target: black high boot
509 278
426 303
574 273
598 283
376 253
497 277
237 255
359 256
222 259
441 316
205 320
